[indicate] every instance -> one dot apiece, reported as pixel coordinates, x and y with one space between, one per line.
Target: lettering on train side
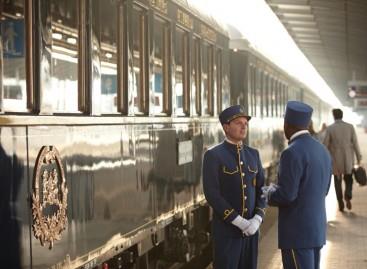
185 19
208 33
49 198
160 5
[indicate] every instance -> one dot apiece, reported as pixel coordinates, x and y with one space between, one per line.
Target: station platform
346 246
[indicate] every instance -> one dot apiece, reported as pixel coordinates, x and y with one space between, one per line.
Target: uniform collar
296 134
232 144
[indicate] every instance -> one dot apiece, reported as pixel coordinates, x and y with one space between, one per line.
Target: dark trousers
235 253
348 179
305 258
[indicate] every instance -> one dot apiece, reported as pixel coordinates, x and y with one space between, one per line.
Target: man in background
341 140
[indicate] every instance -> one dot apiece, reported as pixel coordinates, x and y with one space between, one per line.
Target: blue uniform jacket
232 181
304 179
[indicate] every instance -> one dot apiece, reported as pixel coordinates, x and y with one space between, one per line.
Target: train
106 109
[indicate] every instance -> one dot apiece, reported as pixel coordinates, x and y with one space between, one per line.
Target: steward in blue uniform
303 182
232 181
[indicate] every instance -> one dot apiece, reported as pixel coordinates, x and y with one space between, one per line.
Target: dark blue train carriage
106 110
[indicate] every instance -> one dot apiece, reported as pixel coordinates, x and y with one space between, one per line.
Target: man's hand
254 225
268 190
241 223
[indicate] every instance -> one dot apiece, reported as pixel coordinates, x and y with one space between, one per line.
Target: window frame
186 89
219 77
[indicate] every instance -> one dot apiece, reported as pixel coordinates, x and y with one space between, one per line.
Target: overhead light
71 40
313 41
57 36
352 92
108 55
297 15
304 29
294 6
294 22
18 15
306 35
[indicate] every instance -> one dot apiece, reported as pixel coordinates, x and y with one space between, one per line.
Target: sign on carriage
184 152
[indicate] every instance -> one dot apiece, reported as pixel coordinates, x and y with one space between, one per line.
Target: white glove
268 190
254 225
241 223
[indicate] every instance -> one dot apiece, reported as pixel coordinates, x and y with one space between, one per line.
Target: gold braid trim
227 212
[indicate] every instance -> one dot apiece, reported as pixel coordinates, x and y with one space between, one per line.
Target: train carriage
106 110
264 89
103 145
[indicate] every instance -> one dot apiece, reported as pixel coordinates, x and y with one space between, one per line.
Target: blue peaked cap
298 114
231 113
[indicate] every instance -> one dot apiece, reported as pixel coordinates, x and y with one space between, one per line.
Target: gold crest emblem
49 198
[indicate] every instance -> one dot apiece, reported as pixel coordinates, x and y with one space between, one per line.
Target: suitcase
359 174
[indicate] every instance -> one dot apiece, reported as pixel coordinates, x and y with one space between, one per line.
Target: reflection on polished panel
105 55
195 78
179 71
138 20
205 65
107 178
60 76
218 82
12 56
14 208
225 98
159 77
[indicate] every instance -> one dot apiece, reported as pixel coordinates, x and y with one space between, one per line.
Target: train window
182 90
251 91
161 99
266 94
276 89
281 99
196 78
219 71
284 101
104 57
12 57
276 98
225 87
271 96
258 92
273 90
59 71
207 79
139 100
262 94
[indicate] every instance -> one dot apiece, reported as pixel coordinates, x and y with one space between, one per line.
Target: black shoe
349 204
341 206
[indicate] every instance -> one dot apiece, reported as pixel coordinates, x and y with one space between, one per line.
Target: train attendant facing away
303 182
232 180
